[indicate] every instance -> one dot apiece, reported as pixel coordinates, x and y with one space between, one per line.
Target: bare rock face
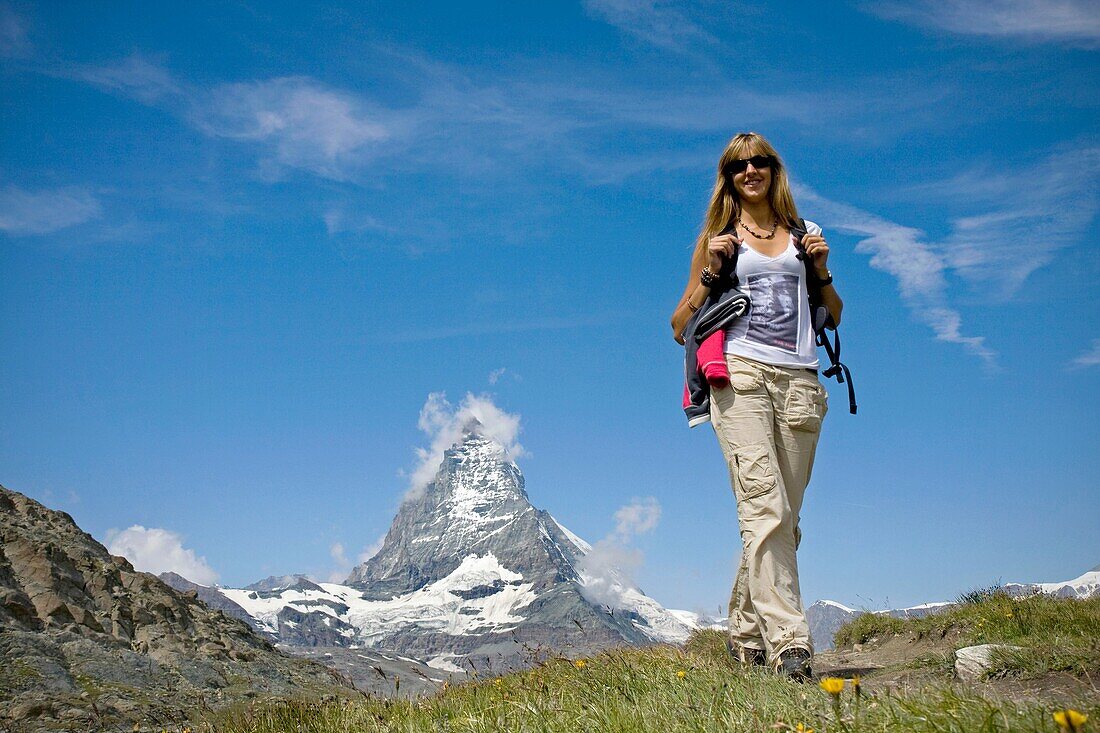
88 641
207 595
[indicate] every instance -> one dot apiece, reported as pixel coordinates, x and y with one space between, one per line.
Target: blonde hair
725 205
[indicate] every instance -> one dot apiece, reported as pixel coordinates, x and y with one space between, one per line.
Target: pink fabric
712 359
712 362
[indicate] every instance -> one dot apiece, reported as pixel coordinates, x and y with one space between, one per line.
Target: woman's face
753 183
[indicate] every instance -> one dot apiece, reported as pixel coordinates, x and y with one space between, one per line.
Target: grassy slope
1055 634
664 689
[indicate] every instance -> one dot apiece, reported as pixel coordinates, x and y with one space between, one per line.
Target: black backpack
822 319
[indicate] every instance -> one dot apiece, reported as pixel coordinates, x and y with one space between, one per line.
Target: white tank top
777 329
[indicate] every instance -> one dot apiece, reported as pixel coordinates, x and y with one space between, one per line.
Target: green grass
644 690
1056 634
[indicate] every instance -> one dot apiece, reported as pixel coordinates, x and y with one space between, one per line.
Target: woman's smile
752 184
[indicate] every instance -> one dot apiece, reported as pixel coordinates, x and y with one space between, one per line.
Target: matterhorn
470 576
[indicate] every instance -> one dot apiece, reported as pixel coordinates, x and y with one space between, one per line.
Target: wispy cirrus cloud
1073 22
474 124
1014 224
1089 358
1018 220
136 77
14 42
24 212
302 123
906 254
297 122
659 23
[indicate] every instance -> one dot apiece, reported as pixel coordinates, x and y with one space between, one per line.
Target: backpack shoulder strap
823 320
729 269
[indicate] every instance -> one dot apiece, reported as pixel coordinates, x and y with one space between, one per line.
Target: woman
768 417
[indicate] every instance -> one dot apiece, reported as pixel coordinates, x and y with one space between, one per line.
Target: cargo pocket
744 377
807 403
752 471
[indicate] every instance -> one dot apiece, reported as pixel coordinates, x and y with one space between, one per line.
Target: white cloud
13 34
155 550
471 124
495 375
652 21
1089 358
339 221
42 212
371 550
135 77
1018 228
638 517
342 563
305 124
445 425
1074 22
609 568
902 252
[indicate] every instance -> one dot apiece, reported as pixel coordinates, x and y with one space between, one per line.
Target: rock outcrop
90 643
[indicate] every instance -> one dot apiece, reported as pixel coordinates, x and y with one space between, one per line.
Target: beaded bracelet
708 277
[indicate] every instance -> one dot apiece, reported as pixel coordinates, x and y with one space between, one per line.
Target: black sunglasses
740 165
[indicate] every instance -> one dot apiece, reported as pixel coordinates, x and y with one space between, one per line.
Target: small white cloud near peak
495 375
371 550
342 565
156 550
1090 358
608 569
24 213
638 517
445 424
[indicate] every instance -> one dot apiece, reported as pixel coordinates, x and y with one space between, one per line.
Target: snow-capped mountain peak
469 571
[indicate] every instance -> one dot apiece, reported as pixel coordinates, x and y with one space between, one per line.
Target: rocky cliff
90 643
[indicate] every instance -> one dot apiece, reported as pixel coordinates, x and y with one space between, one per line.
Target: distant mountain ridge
826 617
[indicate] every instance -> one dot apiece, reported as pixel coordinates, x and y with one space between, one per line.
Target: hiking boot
747 655
795 664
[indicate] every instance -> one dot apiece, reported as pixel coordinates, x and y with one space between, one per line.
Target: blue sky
241 245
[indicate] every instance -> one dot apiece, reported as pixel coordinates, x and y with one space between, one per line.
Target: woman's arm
831 298
816 247
694 295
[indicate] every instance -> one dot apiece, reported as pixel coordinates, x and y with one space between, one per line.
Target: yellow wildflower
832 685
1071 720
681 674
580 664
803 729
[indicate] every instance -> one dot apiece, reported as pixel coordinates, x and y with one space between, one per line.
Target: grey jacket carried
724 305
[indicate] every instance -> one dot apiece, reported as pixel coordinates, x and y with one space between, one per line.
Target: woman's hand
718 249
815 246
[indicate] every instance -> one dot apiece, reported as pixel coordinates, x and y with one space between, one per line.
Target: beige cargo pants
768 421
